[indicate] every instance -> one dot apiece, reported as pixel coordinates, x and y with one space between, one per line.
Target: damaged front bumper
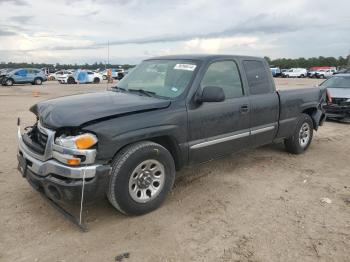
60 182
337 111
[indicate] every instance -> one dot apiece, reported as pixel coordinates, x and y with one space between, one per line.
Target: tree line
302 62
57 66
339 62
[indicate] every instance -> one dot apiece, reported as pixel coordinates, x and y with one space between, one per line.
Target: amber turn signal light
73 161
85 141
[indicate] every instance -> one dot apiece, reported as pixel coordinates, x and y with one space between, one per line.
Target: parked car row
314 72
35 76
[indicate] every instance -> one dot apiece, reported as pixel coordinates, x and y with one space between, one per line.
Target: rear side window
224 74
257 77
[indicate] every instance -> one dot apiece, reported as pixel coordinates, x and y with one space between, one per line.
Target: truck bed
296 101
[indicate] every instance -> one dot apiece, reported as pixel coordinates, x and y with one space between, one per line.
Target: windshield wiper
142 91
118 88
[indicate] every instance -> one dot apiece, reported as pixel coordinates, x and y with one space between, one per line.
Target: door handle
244 109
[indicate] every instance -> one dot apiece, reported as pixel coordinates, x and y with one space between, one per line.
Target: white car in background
325 73
81 77
56 75
63 78
295 72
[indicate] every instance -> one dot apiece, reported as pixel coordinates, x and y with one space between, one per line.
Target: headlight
83 141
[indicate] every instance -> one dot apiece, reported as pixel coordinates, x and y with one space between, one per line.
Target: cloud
214 45
78 30
6 33
22 19
15 2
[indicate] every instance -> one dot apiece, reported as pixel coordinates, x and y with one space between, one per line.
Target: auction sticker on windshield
188 67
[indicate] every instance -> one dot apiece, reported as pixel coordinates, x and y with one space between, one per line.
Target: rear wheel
96 80
142 175
302 137
38 81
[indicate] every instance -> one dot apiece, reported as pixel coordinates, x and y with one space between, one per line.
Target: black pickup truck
128 142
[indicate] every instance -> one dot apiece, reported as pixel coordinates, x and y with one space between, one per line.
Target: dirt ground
259 205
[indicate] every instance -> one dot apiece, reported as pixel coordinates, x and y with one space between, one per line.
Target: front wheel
96 80
70 80
9 82
302 136
142 175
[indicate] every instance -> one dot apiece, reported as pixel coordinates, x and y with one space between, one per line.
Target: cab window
224 74
257 77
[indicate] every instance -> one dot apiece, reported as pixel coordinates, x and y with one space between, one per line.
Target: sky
77 31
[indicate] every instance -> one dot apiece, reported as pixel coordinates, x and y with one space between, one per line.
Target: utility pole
108 52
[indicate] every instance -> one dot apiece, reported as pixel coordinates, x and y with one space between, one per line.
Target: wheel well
169 144
310 112
10 78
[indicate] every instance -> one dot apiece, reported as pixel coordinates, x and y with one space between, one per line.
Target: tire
104 77
302 76
9 82
96 80
128 191
38 81
302 136
70 80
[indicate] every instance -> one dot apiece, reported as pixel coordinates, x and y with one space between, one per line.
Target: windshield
337 82
164 78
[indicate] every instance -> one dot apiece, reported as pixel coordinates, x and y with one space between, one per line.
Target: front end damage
46 167
338 108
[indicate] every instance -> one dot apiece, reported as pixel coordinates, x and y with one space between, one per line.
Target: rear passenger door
31 75
219 128
264 102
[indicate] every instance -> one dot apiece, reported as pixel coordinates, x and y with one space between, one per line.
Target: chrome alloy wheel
146 181
304 135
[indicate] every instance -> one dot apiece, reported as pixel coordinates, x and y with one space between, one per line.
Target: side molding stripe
220 140
232 137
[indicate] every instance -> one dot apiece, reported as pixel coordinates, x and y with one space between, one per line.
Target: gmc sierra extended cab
128 142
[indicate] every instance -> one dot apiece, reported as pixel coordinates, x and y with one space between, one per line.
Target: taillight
329 97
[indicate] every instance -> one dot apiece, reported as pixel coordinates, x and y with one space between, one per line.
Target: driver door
219 128
21 76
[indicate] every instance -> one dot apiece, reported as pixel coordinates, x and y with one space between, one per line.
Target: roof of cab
203 57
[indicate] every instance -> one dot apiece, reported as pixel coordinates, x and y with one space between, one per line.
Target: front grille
35 140
340 101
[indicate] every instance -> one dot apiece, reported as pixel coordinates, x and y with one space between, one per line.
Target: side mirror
212 94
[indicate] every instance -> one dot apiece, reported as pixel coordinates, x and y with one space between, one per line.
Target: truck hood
339 92
77 110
